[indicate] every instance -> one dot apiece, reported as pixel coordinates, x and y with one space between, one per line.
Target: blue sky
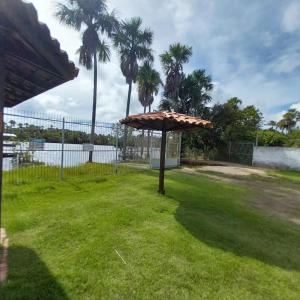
250 48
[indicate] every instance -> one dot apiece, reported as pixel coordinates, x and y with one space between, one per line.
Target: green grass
39 172
289 175
200 241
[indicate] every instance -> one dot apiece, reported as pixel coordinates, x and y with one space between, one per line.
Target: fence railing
38 146
41 145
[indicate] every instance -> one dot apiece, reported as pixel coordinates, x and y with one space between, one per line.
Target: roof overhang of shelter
165 121
34 62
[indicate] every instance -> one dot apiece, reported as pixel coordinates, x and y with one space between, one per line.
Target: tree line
190 94
26 132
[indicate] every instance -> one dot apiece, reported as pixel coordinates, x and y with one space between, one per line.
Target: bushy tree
231 123
271 138
293 138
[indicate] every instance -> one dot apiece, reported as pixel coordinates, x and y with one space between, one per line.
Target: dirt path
274 196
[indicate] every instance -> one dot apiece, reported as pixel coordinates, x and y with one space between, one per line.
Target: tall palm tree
172 62
134 45
97 22
194 94
148 85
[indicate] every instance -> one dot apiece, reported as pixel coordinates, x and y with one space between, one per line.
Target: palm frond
108 24
148 83
103 51
166 105
133 45
72 17
85 57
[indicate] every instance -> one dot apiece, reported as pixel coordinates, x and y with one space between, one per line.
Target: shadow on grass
218 215
29 278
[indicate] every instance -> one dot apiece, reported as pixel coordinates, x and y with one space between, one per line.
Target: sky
250 48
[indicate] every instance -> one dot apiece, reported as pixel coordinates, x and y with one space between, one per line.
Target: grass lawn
289 175
201 241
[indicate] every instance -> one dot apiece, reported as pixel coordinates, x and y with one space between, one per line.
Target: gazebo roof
34 62
165 121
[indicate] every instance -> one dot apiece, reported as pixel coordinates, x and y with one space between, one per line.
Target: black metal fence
241 152
38 146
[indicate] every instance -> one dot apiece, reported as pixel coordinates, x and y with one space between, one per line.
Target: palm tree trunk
127 114
92 139
128 98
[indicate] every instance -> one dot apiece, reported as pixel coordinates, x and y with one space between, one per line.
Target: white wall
278 157
169 163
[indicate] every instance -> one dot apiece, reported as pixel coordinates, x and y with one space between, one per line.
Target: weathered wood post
161 189
2 95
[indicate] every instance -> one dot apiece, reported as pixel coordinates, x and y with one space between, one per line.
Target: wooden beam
18 92
36 66
9 101
161 189
28 81
32 36
18 87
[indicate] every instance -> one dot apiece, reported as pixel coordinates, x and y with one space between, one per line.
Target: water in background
73 155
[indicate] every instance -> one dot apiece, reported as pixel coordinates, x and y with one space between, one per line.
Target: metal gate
241 152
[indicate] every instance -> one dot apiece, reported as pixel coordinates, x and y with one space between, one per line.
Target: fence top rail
57 119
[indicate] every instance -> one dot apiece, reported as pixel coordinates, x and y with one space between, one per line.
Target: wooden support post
161 188
2 95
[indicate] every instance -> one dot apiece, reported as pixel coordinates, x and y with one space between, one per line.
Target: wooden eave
34 62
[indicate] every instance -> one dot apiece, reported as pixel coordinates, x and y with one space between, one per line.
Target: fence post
179 148
62 149
151 149
117 146
252 160
256 141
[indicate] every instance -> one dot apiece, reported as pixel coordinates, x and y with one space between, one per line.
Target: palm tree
289 120
148 85
95 19
194 94
133 44
12 123
172 62
272 124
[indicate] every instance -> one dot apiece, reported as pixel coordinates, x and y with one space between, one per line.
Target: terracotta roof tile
33 59
168 121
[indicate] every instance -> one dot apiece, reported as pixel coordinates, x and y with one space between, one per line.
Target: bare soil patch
234 170
274 196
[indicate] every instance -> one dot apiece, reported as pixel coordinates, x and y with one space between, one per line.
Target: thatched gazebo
164 122
31 62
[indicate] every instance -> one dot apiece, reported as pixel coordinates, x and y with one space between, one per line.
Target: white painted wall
277 157
169 163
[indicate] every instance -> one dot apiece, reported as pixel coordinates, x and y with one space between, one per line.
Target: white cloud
278 116
296 106
291 17
267 38
182 14
227 41
287 63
